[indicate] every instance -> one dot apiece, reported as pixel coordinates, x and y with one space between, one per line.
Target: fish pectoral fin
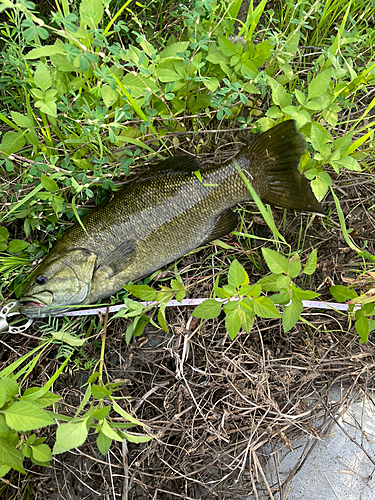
119 258
224 224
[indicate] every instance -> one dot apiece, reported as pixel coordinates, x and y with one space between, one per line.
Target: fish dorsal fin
224 224
183 163
120 257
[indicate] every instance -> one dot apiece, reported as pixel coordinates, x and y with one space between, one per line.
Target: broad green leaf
12 142
132 438
47 107
237 275
167 75
4 428
301 97
279 95
303 294
109 95
269 283
262 53
319 84
91 12
227 47
99 392
294 267
21 120
310 265
283 282
11 387
126 415
161 318
103 443
4 233
45 51
4 469
342 293
362 326
317 137
48 183
232 323
41 453
291 314
3 393
10 456
143 292
276 262
247 320
42 78
70 435
211 83
26 416
320 185
57 204
62 64
349 163
265 308
109 432
138 86
47 399
68 339
101 413
209 309
16 246
171 51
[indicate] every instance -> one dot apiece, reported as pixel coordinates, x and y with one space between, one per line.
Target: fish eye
41 279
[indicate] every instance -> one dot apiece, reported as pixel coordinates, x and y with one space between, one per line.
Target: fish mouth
34 308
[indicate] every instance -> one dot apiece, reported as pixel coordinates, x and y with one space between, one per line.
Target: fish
165 213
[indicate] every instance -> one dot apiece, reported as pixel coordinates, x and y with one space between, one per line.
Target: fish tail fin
279 151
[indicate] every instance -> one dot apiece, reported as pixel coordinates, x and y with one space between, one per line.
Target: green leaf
291 314
294 267
283 281
109 95
232 323
10 456
227 47
209 309
362 326
16 246
109 432
279 95
211 83
70 435
276 262
12 142
311 262
318 139
320 185
126 415
26 416
91 12
171 51
167 75
47 107
247 320
41 453
45 51
42 78
4 469
262 53
265 308
161 318
99 392
132 438
103 443
57 204
237 275
319 85
69 339
3 393
101 413
143 292
49 184
269 283
21 120
43 401
342 293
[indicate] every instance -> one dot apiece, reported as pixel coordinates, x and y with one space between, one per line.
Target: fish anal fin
119 258
224 224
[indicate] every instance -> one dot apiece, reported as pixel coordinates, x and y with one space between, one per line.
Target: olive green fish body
161 216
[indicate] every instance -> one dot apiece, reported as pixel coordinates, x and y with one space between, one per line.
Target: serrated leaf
342 293
294 267
47 107
282 282
48 183
167 75
101 413
232 323
209 309
103 443
4 428
12 142
16 246
247 320
11 387
3 393
265 308
21 120
26 416
319 85
10 456
291 314
171 51
237 275
42 78
269 283
312 260
70 435
42 453
276 262
91 12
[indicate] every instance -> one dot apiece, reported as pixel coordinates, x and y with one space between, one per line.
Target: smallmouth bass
161 216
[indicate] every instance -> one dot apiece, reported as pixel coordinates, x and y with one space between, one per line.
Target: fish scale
163 215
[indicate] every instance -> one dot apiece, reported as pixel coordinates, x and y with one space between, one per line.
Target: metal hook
5 312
